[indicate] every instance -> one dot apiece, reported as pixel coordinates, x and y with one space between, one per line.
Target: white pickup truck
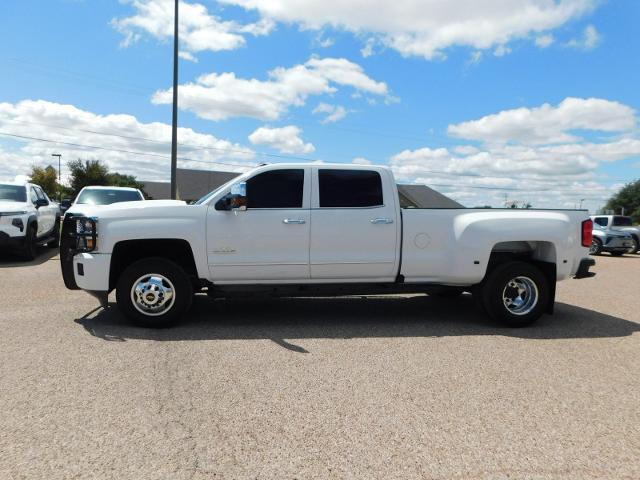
320 230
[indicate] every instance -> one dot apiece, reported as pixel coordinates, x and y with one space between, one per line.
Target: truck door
354 228
270 240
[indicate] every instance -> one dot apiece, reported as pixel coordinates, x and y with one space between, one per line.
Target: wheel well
129 251
540 254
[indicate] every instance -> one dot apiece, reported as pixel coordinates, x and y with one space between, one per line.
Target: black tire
636 245
29 249
173 275
499 282
617 254
596 246
55 243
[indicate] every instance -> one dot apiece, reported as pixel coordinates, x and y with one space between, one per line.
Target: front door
270 240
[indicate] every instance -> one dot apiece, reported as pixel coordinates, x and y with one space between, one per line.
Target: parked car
606 240
301 229
28 218
620 223
97 196
65 204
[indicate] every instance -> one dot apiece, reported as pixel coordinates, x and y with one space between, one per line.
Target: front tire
154 292
30 250
515 293
635 246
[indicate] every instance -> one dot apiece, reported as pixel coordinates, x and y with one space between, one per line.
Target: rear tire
635 248
515 293
29 250
154 293
596 247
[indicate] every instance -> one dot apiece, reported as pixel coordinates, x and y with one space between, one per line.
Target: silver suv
605 240
622 224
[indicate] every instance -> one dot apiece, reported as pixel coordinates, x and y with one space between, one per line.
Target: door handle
381 221
293 221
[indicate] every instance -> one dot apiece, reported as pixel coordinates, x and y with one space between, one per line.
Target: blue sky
528 100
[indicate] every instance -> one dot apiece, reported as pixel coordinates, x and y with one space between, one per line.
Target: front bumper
583 269
8 242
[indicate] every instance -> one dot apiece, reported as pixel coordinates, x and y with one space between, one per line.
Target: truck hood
11 206
136 208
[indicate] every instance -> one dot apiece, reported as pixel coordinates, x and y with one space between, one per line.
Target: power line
187 159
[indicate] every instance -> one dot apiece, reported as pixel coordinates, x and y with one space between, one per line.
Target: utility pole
581 200
174 120
59 155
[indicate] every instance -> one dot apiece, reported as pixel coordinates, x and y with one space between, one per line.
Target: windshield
107 197
622 222
14 193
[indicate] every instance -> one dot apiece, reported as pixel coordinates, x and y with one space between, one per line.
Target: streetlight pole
59 155
581 200
174 119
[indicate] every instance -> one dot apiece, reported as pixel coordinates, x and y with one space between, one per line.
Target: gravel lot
387 387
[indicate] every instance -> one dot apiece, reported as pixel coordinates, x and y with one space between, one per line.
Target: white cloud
221 96
367 50
71 125
590 39
199 30
544 41
284 139
426 28
547 123
334 112
501 51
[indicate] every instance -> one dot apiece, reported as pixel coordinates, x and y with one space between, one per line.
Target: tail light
587 233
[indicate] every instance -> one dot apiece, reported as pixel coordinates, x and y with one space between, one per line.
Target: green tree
96 173
628 198
47 178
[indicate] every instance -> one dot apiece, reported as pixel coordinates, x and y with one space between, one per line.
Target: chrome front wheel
153 294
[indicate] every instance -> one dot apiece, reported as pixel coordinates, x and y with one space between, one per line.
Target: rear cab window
340 188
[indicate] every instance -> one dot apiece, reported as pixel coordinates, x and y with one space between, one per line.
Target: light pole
174 119
581 200
59 155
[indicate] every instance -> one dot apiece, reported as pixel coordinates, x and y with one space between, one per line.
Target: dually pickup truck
320 230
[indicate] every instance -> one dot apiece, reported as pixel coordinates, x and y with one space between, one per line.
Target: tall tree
47 178
628 198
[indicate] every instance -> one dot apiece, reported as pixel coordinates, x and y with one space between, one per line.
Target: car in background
612 241
104 196
620 223
28 218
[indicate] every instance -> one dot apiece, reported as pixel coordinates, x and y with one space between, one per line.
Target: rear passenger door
354 229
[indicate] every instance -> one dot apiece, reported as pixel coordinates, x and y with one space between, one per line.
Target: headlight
86 234
12 214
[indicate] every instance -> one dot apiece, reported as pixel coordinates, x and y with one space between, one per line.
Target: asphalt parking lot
387 387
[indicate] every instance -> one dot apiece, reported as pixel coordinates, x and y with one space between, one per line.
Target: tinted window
107 197
622 221
40 193
602 221
34 195
13 193
276 189
349 188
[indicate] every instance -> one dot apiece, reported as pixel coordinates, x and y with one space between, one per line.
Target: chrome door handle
293 221
381 221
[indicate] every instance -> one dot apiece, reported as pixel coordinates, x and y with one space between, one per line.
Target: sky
493 101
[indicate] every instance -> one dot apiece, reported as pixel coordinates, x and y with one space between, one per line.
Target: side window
33 195
602 221
40 193
276 189
349 188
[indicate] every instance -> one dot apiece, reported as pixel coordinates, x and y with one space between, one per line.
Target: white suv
27 218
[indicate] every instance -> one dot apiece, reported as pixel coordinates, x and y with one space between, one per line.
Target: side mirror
41 202
238 198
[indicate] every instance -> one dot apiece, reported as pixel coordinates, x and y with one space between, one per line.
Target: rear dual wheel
515 293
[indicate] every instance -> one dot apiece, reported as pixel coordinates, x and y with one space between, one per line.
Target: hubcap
594 247
520 295
152 294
